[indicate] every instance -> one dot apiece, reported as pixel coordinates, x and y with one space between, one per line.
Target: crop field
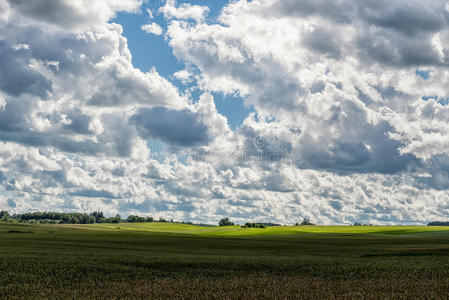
165 260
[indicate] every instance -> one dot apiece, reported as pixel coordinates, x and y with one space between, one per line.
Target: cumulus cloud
317 66
344 128
152 28
54 77
17 73
183 75
184 11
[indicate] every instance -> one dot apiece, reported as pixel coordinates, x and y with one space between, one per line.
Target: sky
262 110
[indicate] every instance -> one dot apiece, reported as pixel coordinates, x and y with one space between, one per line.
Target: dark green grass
59 262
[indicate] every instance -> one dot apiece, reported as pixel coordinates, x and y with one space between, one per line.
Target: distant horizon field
269 230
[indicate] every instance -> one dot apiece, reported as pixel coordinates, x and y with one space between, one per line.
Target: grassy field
163 260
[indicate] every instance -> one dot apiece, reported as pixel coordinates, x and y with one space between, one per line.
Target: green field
164 260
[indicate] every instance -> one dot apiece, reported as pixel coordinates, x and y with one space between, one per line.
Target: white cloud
152 28
150 14
185 11
340 132
183 75
307 64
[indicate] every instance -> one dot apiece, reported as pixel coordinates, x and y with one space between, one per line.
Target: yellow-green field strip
275 230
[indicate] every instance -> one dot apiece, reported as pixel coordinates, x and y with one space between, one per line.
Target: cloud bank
349 124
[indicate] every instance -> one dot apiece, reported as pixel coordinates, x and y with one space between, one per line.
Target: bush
225 222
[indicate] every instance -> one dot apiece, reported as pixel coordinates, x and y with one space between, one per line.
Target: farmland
160 260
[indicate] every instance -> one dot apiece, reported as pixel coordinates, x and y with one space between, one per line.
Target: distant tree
225 222
4 216
116 219
361 224
306 221
99 216
134 219
253 225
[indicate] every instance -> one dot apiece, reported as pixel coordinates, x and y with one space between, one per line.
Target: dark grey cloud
71 15
62 143
341 11
11 203
362 148
53 178
79 122
408 17
176 127
324 41
395 33
16 76
2 177
13 116
52 11
438 169
93 194
365 148
391 49
265 148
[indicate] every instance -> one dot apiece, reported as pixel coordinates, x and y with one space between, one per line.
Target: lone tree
225 222
306 221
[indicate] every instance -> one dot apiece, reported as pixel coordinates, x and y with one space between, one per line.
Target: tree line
72 218
99 217
227 222
438 223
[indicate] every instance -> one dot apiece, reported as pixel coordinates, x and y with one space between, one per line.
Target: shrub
225 222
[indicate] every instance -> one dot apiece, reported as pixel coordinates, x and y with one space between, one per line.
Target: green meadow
166 260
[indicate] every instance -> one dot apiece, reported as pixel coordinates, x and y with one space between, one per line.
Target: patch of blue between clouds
233 108
149 50
426 75
423 74
442 101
